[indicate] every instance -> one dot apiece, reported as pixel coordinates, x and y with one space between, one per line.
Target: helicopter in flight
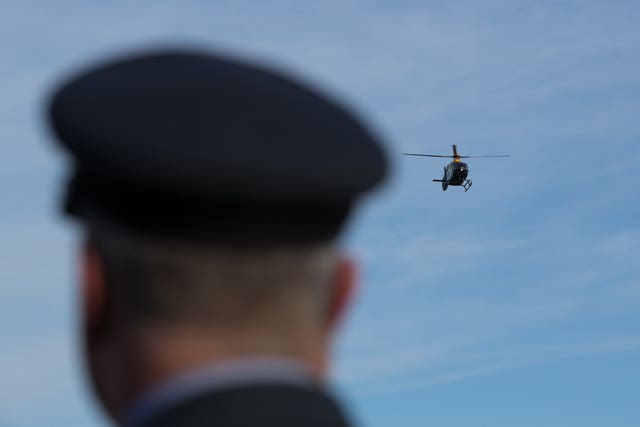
456 172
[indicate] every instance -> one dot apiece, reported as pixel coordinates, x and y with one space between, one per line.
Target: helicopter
456 172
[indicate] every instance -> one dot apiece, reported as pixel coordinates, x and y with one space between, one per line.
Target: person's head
212 195
155 307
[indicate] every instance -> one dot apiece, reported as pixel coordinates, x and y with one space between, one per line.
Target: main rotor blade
476 157
425 155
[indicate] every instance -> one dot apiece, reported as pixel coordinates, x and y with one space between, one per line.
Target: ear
344 288
93 285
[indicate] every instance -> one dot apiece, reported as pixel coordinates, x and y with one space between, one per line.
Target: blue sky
517 303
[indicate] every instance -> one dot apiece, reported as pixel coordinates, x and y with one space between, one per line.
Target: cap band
224 221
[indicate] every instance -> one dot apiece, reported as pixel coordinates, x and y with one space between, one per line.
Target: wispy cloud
543 298
499 362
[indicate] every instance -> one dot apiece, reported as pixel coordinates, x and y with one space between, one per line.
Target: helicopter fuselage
455 173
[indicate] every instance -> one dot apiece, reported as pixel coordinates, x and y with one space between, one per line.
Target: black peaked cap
195 145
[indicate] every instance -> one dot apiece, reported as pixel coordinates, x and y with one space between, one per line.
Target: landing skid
466 184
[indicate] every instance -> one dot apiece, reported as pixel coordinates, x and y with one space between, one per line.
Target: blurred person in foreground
211 193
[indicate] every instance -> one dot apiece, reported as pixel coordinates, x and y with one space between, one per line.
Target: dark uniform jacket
254 406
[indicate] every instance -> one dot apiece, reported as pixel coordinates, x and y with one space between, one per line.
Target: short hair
216 288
